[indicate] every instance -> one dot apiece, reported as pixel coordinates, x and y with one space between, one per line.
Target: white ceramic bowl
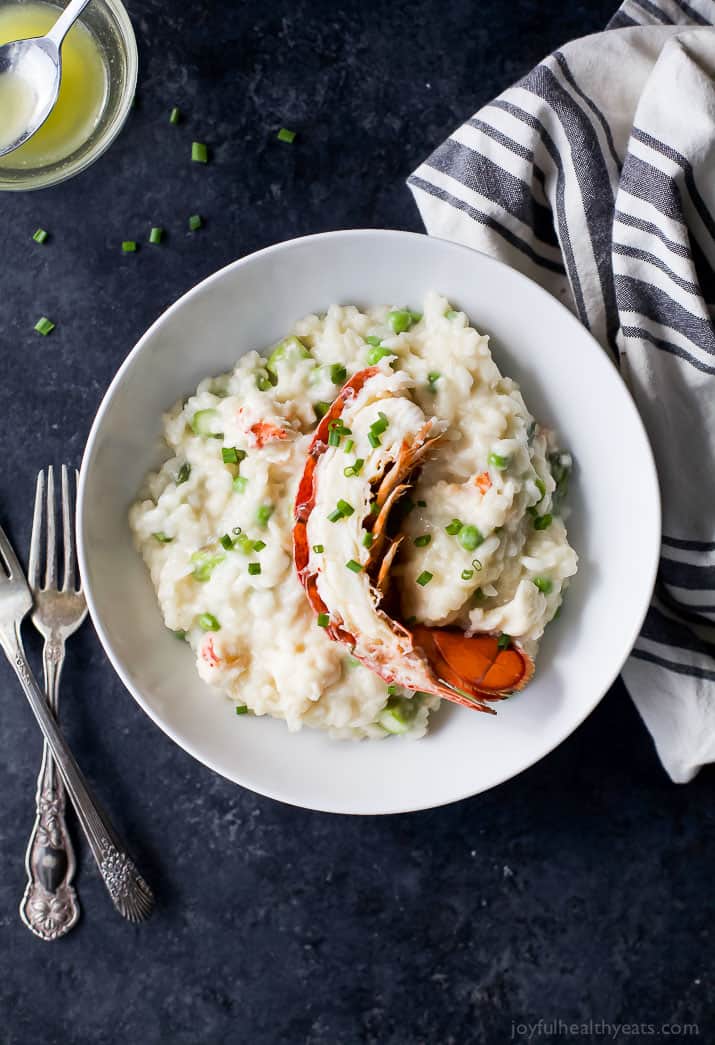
567 380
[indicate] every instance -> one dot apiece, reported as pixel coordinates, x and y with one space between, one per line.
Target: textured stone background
580 890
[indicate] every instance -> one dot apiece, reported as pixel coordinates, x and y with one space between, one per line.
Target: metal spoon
37 65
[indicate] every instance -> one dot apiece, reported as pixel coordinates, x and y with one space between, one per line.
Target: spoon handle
65 22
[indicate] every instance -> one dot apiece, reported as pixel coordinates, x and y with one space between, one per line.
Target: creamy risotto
483 522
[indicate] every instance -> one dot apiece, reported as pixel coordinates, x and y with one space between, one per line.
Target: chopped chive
195 222
498 461
240 483
374 508
318 549
379 426
544 584
241 709
454 527
183 474
424 578
367 539
451 314
345 508
338 373
175 115
232 455
467 575
323 620
335 516
354 469
202 423
263 382
161 537
542 522
422 504
377 353
423 540
334 436
245 543
470 538
226 542
254 568
156 235
39 236
504 641
432 379
373 340
207 622
321 408
284 135
349 446
391 689
407 505
374 440
205 563
129 246
540 486
476 564
258 546
179 633
354 566
199 152
264 513
44 326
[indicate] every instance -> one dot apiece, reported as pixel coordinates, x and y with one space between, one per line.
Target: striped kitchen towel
595 175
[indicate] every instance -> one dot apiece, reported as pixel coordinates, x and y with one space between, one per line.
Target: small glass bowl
109 23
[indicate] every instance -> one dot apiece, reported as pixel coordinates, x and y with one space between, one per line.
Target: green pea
544 584
542 522
377 353
401 319
498 461
207 622
469 537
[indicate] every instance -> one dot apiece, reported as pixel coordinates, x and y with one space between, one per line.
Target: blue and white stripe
593 175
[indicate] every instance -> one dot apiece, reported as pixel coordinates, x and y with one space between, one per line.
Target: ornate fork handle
128 891
49 907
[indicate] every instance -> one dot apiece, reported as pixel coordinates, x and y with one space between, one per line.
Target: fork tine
67 532
33 569
80 588
9 560
51 564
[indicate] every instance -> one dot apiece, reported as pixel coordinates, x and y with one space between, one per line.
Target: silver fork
49 907
128 891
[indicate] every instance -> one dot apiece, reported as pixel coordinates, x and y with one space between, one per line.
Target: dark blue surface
581 890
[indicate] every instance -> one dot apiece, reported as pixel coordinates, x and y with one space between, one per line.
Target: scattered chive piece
44 326
254 568
422 504
407 505
179 633
204 564
354 469
377 353
367 540
263 382
183 474
540 486
129 246
226 542
542 522
349 446
335 516
39 236
379 426
195 222
424 578
423 540
345 508
156 235
284 135
354 566
374 508
264 513
232 455
504 641
334 437
323 620
321 408
241 709
454 527
467 575
391 689
432 379
451 314
207 622
318 549
199 152
240 483
470 538
258 546
202 422
161 537
373 340
498 461
544 585
338 373
374 440
175 115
